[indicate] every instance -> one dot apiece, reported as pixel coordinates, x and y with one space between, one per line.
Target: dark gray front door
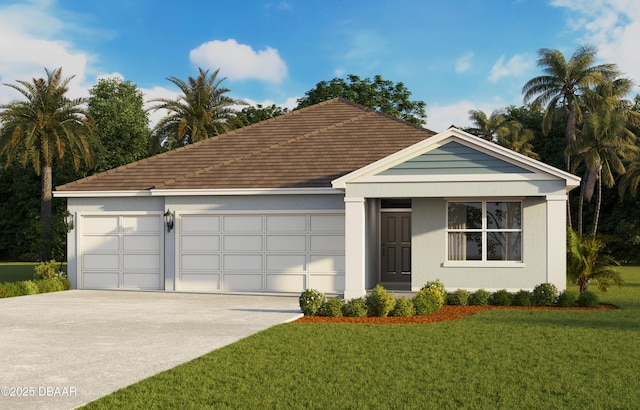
396 247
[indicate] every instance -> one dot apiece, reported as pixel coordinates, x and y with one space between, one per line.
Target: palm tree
489 128
45 128
605 141
561 87
518 139
202 111
630 181
586 263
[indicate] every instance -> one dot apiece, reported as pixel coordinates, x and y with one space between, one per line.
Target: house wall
429 252
240 203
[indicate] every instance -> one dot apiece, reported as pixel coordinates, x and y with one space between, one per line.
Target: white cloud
611 25
464 62
153 93
441 117
518 64
290 103
239 61
30 41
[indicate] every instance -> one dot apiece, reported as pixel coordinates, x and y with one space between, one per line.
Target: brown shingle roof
307 148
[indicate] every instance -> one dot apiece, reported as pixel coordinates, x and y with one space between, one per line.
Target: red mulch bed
444 314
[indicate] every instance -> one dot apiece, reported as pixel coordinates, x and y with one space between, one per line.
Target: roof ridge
271 147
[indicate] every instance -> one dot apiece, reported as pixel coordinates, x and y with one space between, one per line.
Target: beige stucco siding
429 251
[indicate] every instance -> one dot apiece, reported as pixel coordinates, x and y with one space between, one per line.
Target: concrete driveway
65 349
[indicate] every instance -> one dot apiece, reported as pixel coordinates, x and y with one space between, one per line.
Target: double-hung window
484 231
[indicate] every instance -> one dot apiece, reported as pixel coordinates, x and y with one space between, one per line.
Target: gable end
454 158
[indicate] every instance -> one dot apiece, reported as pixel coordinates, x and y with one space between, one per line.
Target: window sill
483 264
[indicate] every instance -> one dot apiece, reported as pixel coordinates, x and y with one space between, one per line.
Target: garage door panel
141 224
286 263
285 283
243 223
196 243
242 243
199 223
277 251
200 282
137 261
287 223
326 263
141 243
243 282
286 243
99 225
327 243
321 223
203 262
242 262
98 262
121 251
101 280
327 283
141 280
102 243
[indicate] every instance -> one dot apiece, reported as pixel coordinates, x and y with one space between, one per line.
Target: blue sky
453 55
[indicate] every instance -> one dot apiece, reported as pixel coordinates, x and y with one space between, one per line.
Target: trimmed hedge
31 287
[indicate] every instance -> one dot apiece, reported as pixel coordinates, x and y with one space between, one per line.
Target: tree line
574 116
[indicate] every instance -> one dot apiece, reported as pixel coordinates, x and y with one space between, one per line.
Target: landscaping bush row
48 277
432 296
545 294
31 287
378 303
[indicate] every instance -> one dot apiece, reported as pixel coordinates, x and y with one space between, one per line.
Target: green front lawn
16 271
495 359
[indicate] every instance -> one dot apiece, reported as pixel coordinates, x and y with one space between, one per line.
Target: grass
18 271
494 359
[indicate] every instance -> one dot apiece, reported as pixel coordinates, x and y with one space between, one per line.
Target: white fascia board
455 178
250 191
464 138
99 194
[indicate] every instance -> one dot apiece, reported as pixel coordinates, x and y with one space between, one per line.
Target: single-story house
335 197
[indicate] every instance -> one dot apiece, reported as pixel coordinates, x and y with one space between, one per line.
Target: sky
455 56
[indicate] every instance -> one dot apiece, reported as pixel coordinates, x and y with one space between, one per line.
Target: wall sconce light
68 220
168 220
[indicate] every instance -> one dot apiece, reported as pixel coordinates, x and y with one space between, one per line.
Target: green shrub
567 298
522 298
480 298
545 294
47 270
27 287
332 307
587 299
355 308
311 301
437 289
458 298
9 289
426 304
403 307
379 302
501 297
66 284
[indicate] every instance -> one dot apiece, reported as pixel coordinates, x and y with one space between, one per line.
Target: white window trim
484 262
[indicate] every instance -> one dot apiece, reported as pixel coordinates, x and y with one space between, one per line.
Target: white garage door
277 252
121 251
